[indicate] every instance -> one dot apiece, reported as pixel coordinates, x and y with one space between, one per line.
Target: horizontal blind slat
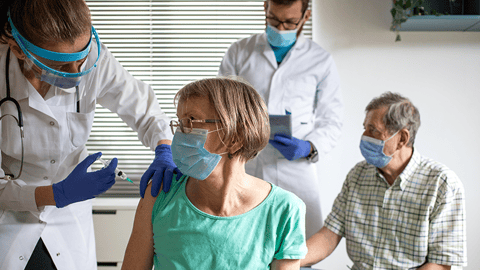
166 44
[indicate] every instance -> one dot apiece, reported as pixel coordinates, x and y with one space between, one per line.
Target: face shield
49 62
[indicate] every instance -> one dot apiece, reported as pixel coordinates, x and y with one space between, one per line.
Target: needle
118 173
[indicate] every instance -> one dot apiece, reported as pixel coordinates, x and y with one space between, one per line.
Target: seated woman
216 216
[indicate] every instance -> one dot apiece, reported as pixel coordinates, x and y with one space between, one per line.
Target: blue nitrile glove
161 170
291 148
81 185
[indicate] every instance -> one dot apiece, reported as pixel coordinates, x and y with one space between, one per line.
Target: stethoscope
19 120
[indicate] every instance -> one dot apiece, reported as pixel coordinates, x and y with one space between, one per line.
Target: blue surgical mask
67 84
190 156
372 151
279 38
63 83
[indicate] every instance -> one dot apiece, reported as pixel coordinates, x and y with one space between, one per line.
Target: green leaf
394 12
434 12
403 20
408 4
398 38
399 3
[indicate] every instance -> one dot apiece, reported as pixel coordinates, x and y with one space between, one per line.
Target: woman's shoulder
284 199
164 197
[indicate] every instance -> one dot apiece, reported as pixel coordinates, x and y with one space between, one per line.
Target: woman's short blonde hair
243 114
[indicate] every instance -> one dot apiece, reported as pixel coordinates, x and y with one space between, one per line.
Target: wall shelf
470 23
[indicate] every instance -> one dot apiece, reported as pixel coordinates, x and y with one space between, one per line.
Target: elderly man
397 209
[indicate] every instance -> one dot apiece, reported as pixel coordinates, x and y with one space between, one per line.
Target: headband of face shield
64 80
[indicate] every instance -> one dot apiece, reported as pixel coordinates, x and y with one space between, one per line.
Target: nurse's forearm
169 142
44 196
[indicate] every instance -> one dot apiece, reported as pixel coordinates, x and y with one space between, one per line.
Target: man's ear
16 49
404 138
265 5
308 13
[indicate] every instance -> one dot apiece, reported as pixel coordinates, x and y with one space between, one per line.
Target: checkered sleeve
336 219
447 237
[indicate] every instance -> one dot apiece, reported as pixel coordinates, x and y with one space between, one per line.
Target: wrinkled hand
161 170
291 148
81 185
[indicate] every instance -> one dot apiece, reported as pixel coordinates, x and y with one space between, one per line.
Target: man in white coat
52 68
294 76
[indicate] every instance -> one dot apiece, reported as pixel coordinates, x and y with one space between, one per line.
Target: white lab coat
307 84
55 137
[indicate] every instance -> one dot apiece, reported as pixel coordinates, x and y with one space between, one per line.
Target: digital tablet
280 124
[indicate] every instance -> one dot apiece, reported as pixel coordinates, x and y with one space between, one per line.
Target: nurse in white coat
55 71
295 76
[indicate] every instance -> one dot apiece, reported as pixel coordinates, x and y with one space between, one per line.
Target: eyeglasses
286 24
186 124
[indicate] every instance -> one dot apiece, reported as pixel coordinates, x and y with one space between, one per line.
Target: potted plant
404 9
401 11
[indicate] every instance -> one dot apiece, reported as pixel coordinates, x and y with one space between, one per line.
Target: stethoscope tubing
9 98
19 120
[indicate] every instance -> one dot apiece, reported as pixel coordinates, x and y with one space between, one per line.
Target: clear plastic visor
54 67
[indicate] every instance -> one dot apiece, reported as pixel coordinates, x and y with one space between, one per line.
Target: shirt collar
407 174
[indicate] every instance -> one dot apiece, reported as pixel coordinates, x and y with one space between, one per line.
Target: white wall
438 71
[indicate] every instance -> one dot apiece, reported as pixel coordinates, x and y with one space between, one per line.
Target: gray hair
401 113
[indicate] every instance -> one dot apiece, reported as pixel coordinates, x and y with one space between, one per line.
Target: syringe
117 171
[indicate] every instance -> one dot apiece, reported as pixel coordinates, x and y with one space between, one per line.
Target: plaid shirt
418 219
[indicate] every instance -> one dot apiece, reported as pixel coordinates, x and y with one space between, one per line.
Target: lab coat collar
20 87
267 49
36 101
18 83
300 41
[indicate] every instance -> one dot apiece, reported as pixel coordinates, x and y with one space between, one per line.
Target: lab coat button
45 178
58 254
21 257
52 123
52 161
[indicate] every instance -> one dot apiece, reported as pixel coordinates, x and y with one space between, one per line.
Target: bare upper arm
285 264
139 252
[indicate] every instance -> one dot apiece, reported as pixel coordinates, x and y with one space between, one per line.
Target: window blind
166 44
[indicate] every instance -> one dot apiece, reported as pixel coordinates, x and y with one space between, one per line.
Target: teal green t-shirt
187 238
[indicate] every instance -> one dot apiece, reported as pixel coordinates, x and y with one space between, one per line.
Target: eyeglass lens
286 25
184 124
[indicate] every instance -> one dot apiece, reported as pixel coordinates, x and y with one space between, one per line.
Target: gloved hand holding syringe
118 172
